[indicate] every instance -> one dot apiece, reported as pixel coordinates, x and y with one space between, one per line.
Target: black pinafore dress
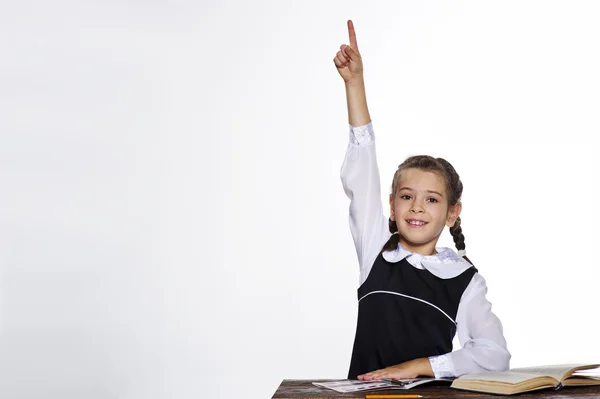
404 313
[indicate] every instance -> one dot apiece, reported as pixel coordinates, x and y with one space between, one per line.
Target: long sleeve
360 179
480 335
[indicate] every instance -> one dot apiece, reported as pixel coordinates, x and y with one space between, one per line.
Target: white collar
445 264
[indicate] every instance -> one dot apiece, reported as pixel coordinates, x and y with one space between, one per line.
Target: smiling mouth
416 223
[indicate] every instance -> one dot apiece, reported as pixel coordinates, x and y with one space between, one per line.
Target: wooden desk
304 389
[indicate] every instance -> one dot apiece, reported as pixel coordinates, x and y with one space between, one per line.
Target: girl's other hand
348 60
411 369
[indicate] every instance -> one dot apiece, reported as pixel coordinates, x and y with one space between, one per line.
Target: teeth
416 222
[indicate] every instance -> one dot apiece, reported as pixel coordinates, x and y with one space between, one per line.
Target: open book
344 386
530 378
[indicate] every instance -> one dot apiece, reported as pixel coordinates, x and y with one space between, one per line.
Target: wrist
423 367
357 82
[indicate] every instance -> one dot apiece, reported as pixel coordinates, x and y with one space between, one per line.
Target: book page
500 376
591 372
588 376
345 386
558 371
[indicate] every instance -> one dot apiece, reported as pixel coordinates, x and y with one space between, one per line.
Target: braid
458 237
394 240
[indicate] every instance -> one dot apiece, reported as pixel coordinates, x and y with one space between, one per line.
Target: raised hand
348 60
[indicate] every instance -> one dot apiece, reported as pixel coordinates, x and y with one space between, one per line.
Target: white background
172 222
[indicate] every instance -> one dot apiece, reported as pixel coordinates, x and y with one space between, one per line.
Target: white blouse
479 329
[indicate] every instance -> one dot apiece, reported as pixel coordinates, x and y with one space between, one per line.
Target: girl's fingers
342 57
343 61
378 374
344 51
373 375
343 48
350 53
352 35
337 63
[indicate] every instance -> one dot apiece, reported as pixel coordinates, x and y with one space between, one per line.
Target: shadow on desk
304 389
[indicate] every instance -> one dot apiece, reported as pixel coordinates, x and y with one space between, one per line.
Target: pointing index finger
352 34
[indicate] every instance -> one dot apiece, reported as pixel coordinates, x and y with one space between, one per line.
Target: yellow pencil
393 396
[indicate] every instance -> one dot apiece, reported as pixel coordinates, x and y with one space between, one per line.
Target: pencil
374 396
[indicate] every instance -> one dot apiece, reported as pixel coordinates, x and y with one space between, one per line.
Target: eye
405 197
432 200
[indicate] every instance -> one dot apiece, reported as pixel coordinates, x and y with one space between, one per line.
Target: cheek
441 214
400 208
447 217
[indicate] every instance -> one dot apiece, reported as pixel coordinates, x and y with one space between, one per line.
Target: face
420 209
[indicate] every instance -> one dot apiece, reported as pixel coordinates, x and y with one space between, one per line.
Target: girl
413 297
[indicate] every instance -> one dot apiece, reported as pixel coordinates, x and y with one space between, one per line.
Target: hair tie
462 253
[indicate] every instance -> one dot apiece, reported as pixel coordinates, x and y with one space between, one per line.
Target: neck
426 249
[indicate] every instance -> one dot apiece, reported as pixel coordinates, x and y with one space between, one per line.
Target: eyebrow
429 191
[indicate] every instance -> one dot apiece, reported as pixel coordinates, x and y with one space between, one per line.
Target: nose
416 207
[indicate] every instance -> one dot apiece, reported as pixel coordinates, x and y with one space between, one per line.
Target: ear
392 215
453 214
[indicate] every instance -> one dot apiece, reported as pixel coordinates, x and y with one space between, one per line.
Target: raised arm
350 67
360 173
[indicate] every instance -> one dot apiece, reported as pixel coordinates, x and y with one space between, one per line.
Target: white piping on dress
408 296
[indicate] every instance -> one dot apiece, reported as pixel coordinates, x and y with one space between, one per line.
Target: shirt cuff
362 134
442 366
